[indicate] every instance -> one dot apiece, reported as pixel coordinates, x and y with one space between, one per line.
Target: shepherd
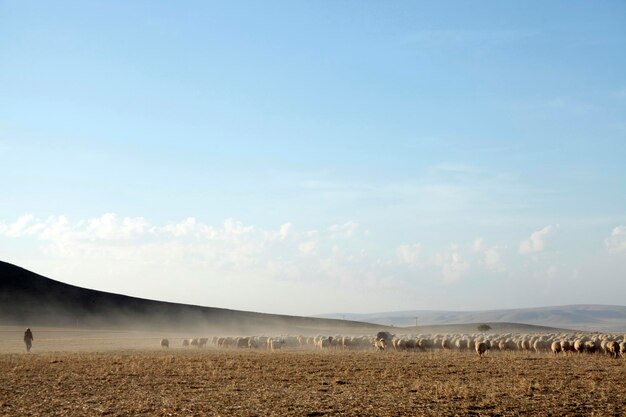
28 339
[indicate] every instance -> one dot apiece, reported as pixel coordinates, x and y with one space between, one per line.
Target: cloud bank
342 264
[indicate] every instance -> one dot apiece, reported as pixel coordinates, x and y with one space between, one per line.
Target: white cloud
616 243
284 231
409 254
478 244
490 256
343 231
453 268
19 228
536 241
308 247
109 227
184 228
218 260
233 227
492 259
57 228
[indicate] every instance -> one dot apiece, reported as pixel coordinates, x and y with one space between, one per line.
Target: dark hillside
27 298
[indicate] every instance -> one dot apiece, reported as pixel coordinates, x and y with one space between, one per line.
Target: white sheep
613 348
276 343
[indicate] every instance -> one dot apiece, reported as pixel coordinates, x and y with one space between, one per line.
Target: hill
468 328
29 299
586 317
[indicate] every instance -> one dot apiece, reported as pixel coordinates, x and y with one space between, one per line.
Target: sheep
253 343
446 344
335 342
363 343
425 344
262 340
325 342
228 342
567 347
508 344
613 348
540 345
461 344
356 343
411 344
579 346
556 343
437 342
347 342
396 343
481 348
590 346
403 344
603 345
242 342
276 343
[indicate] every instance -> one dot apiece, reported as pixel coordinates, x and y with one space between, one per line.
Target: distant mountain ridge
589 317
29 299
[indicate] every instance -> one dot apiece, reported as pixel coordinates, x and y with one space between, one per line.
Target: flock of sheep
567 343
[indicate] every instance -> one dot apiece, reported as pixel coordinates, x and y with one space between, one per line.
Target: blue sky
309 157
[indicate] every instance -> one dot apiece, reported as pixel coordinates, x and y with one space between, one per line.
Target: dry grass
225 383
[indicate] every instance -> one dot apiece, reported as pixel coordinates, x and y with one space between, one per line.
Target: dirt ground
91 373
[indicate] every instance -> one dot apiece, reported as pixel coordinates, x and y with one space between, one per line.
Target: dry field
122 381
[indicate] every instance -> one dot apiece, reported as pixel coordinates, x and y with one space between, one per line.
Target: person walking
28 339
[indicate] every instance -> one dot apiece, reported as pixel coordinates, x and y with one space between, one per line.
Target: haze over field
308 158
594 318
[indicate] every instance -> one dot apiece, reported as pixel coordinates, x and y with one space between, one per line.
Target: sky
318 157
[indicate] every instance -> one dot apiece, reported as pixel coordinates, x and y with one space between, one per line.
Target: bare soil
307 383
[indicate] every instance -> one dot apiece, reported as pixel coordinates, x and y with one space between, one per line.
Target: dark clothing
28 339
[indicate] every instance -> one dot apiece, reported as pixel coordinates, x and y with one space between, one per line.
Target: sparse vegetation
213 382
484 328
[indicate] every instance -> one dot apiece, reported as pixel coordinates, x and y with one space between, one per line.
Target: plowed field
232 383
